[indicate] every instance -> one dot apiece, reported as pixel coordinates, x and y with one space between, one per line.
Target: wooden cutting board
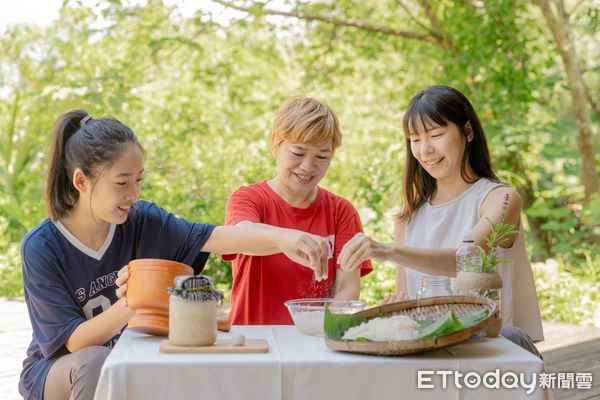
221 346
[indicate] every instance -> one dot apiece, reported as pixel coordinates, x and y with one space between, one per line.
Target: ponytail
79 141
61 195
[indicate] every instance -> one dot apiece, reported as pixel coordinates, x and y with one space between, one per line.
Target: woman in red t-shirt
304 138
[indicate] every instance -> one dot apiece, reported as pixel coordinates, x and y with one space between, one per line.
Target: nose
133 194
426 147
307 164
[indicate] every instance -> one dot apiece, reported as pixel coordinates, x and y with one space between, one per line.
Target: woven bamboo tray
419 310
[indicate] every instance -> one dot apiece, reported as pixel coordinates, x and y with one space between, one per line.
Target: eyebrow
427 130
322 150
123 174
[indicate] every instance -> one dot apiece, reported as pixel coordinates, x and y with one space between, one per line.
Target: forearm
401 279
101 328
347 293
265 251
347 285
303 248
247 238
427 261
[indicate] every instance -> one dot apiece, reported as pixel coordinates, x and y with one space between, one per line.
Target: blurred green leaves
201 97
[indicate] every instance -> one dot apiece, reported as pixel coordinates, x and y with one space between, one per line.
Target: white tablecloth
303 367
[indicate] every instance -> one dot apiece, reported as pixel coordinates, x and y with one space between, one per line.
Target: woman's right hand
358 249
306 249
121 282
395 297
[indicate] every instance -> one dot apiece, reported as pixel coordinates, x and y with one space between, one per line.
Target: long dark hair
79 141
437 106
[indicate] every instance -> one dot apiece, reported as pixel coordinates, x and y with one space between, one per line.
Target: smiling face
301 166
439 149
117 187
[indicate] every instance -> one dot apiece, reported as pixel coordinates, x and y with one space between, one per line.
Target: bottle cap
468 239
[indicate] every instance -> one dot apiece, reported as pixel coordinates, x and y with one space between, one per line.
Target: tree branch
412 16
552 21
474 3
576 6
435 23
562 11
428 37
595 106
438 29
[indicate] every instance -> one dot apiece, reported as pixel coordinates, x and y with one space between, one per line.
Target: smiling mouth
303 178
124 209
433 162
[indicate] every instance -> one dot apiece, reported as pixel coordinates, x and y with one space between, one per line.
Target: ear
80 181
469 131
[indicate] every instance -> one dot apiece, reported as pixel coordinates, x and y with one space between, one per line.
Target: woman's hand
395 297
306 249
356 250
121 282
101 328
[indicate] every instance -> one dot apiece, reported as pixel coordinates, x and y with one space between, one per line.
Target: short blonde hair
302 119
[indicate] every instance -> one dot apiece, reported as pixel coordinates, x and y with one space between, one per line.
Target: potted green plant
480 276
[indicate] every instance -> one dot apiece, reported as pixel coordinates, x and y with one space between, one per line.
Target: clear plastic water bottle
467 257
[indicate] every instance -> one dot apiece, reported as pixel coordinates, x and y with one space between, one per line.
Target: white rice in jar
192 323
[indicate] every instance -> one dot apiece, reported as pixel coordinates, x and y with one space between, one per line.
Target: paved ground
15 335
568 348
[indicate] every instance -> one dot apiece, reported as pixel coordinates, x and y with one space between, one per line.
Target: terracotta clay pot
147 293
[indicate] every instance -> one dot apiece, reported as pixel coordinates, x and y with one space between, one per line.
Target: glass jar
193 311
433 286
192 323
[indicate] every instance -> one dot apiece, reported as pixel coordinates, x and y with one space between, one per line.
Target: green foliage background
201 95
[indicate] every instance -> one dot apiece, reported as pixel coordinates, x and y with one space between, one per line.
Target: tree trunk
560 27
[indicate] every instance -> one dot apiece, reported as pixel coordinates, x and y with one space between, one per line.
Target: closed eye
297 154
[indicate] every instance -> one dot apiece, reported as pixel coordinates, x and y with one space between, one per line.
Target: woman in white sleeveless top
450 190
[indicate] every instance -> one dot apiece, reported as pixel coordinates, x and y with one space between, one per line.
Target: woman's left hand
121 282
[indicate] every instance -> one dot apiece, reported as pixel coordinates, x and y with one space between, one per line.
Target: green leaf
562 248
474 318
551 226
336 325
444 326
425 323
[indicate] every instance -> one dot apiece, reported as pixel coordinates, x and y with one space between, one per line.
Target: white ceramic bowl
309 314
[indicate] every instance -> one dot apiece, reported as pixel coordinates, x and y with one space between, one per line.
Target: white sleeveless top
444 225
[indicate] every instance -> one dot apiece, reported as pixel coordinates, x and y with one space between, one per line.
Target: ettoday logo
496 379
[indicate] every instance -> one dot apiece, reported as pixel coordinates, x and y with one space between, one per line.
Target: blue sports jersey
67 283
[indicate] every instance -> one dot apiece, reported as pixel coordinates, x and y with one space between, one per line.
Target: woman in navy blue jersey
72 261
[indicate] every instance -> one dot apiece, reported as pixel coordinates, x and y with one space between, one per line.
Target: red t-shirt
262 283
